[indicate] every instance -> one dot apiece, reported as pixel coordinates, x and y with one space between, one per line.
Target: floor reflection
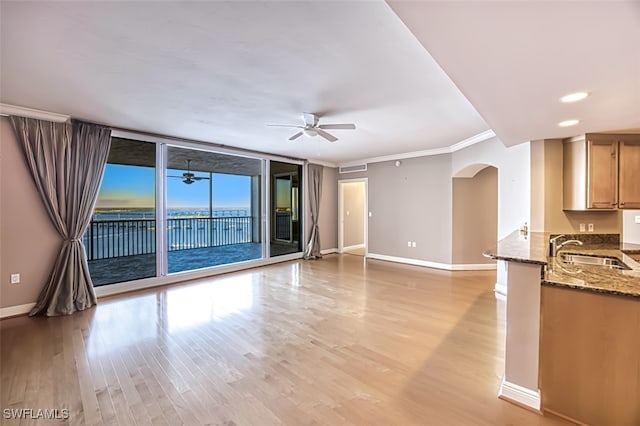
196 304
119 322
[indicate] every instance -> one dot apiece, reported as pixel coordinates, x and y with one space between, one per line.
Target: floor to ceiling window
120 241
286 200
213 209
167 209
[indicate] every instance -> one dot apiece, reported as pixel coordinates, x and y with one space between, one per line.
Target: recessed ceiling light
568 123
574 97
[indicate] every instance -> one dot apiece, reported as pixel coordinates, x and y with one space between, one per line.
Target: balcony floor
129 268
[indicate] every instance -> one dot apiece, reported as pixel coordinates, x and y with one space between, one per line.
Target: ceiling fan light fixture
310 132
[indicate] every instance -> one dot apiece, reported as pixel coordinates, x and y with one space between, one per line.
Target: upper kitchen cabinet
629 174
601 172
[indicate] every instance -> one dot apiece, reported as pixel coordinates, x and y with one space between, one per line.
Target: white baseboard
355 247
473 267
520 395
14 311
409 261
328 251
436 265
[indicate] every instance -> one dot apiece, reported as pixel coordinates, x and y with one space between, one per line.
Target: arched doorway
475 216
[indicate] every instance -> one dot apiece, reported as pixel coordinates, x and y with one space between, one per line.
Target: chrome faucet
554 247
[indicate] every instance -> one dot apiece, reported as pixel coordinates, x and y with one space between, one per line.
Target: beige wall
28 241
556 220
411 203
537 186
414 202
630 229
328 220
353 213
475 216
514 178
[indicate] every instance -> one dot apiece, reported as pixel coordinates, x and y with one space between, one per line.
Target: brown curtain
67 162
312 250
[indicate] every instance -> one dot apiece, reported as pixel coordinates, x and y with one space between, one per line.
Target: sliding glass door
120 241
169 209
286 223
213 209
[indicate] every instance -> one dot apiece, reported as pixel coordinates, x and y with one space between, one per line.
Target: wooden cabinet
589 356
601 172
629 174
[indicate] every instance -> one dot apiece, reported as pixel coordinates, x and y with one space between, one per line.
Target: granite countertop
534 247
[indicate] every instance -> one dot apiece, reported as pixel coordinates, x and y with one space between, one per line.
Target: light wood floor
336 341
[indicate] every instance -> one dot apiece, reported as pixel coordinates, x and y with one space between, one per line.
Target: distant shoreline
174 212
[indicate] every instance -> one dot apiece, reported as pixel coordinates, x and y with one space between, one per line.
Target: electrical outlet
15 278
413 244
408 243
591 227
582 227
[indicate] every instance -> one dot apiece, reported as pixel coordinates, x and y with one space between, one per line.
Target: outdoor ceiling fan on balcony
188 177
311 128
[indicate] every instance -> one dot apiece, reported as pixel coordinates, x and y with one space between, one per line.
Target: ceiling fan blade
296 136
178 177
326 135
310 119
337 126
285 125
199 178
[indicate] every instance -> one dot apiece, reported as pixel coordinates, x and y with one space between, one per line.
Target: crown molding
323 163
6 110
480 137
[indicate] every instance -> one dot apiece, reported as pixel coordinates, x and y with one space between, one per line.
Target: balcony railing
106 239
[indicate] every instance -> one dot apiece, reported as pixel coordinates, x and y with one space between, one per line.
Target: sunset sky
134 187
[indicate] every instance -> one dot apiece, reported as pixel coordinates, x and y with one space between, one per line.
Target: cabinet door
629 177
602 161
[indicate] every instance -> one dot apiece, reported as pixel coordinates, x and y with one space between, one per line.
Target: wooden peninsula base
589 356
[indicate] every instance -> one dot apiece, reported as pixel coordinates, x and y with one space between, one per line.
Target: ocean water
129 232
115 214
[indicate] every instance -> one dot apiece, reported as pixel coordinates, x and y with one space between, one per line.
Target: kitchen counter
567 318
533 248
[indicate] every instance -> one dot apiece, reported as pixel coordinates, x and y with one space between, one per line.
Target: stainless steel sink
583 259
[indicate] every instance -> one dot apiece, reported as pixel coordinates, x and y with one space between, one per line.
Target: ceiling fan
311 128
188 177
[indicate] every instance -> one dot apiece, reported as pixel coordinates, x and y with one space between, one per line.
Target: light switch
408 243
370 214
413 244
637 219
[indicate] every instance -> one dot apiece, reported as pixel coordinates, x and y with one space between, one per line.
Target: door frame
274 206
365 213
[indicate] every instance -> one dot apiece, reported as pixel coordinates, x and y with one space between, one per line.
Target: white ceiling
219 71
514 60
